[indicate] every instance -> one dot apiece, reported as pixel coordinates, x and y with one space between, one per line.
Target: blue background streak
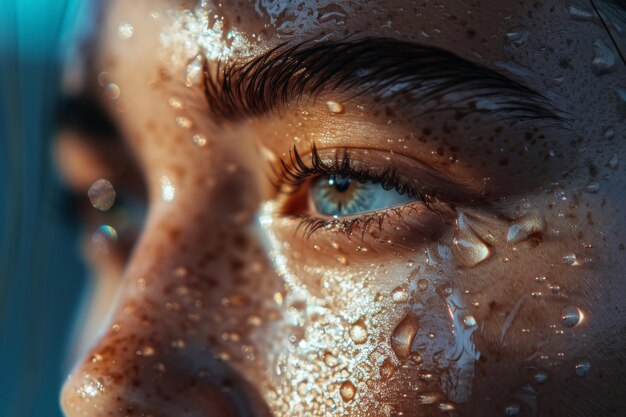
40 271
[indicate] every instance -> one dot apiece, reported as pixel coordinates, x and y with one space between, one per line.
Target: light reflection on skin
226 306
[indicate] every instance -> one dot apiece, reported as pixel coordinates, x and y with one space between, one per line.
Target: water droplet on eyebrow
347 390
335 107
101 194
467 247
403 335
571 316
358 332
603 58
525 227
125 30
583 368
112 91
571 259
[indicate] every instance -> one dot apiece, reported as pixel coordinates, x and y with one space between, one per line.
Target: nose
161 355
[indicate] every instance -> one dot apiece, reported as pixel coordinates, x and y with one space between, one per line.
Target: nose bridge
161 354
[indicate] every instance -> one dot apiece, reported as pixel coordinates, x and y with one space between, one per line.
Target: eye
342 196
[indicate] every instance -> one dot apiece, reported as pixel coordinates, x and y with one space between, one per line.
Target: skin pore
495 286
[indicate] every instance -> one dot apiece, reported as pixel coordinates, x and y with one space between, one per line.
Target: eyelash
294 173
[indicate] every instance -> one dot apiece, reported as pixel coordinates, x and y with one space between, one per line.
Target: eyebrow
384 68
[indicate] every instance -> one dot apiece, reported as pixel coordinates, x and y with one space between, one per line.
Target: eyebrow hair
381 67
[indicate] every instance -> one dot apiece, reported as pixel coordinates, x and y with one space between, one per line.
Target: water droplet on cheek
347 391
104 238
571 316
525 227
358 332
400 295
101 194
403 335
125 30
603 58
467 247
583 368
512 410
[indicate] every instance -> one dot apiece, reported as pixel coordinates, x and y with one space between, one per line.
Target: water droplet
581 14
614 161
104 238
583 368
91 387
386 369
147 351
403 335
467 247
541 377
400 295
175 103
342 260
593 187
609 133
422 284
517 37
184 122
103 79
571 259
358 332
603 58
101 194
446 407
330 360
571 316
168 191
554 288
125 30
194 72
512 410
525 227
178 344
199 140
469 321
540 279
347 391
335 107
112 91
428 398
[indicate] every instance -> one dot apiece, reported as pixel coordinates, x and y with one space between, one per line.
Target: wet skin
510 273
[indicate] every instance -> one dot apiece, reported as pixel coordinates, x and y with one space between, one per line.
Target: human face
375 208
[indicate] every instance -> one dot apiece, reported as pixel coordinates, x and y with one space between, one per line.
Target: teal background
41 276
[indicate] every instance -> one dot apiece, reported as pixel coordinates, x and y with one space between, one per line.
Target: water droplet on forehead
571 316
101 194
125 30
335 107
403 335
603 58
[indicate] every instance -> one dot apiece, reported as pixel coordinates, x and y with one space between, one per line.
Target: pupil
340 183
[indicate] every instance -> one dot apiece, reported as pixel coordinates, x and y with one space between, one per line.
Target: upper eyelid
361 66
